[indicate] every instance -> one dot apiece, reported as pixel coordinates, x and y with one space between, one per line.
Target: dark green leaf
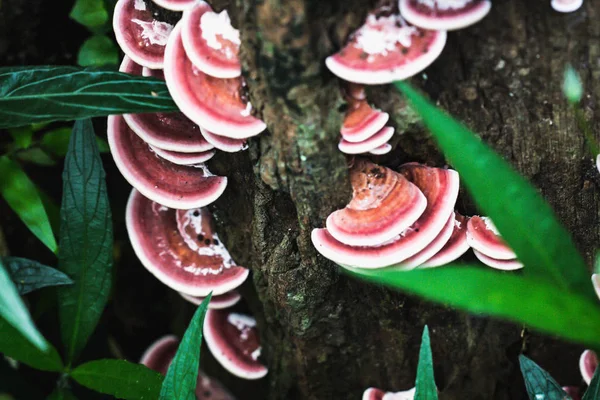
525 220
97 51
62 394
180 382
525 299
35 155
425 385
593 391
13 344
119 378
85 240
47 93
90 13
539 383
22 136
22 196
13 310
29 275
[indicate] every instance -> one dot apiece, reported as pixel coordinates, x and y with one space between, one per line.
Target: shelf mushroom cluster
376 394
405 220
566 6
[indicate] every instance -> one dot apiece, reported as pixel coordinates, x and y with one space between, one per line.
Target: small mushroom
223 143
454 248
386 49
169 184
572 391
210 42
376 394
219 105
181 248
596 283
362 121
566 6
159 356
588 362
130 67
139 34
175 5
184 158
483 236
377 140
219 302
505 265
381 150
233 340
444 14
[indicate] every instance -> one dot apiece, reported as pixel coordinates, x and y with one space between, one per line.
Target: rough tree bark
325 335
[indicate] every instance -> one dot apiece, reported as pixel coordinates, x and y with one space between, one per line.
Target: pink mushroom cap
219 302
386 49
376 394
176 5
184 158
139 34
483 236
454 248
377 140
504 265
381 150
444 14
180 248
130 67
159 356
213 103
233 340
383 205
572 391
169 184
210 42
566 6
223 143
362 122
596 284
588 362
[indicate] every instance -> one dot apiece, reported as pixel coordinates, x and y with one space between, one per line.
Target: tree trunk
327 336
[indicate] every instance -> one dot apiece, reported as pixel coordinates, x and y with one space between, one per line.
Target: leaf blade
29 275
119 378
525 220
86 240
182 375
539 383
46 93
23 197
425 388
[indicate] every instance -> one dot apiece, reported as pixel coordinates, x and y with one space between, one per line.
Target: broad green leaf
524 299
13 344
119 378
425 385
57 142
62 394
572 86
29 275
593 391
35 155
539 383
47 93
22 136
13 310
22 196
523 218
85 240
97 51
89 13
180 382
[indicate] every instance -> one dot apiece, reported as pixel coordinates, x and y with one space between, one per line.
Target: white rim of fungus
219 302
406 395
377 140
587 377
504 265
447 255
445 23
494 251
383 149
354 136
566 6
225 143
175 5
187 159
149 353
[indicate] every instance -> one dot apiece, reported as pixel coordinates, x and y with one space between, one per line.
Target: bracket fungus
488 245
181 248
454 248
175 5
588 362
566 6
219 302
159 356
444 14
184 158
233 340
376 394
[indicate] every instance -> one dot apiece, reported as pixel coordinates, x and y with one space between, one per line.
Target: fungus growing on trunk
566 6
175 5
184 158
444 14
588 362
375 141
455 247
376 394
483 236
219 302
223 143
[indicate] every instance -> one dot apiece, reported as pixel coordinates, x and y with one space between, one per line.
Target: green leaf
97 51
89 13
425 385
539 383
524 299
13 344
86 240
13 310
523 218
180 382
119 378
47 93
22 196
62 394
35 155
57 142
593 391
29 275
22 136
572 86
52 211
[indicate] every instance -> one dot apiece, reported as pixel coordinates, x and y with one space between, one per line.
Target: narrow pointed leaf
425 385
13 310
180 382
48 93
85 240
13 344
22 196
525 220
29 275
119 378
524 299
593 391
539 383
